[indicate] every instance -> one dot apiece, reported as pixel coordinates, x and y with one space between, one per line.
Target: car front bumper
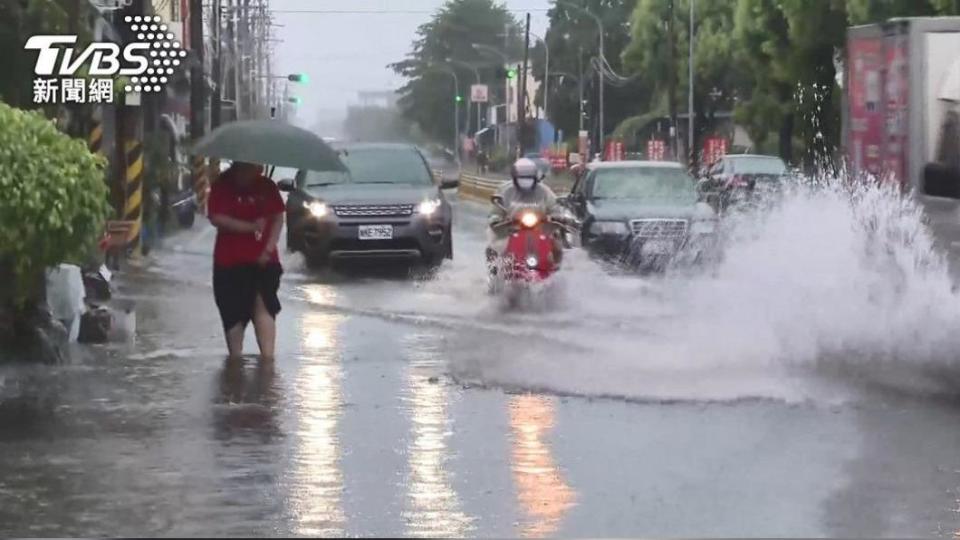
633 250
338 238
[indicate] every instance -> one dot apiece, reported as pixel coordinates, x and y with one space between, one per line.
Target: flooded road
399 407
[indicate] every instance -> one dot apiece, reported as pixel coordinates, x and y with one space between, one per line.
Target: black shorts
235 290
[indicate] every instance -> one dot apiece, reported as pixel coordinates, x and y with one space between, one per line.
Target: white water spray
834 278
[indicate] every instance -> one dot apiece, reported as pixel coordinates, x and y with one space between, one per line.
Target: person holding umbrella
247 210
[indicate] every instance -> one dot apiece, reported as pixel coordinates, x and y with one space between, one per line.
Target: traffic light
295 100
298 78
506 73
459 98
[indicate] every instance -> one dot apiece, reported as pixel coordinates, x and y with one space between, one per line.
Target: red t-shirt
260 200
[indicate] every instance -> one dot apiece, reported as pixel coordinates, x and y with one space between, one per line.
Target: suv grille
660 228
374 210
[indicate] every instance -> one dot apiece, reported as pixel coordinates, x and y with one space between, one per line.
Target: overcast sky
344 53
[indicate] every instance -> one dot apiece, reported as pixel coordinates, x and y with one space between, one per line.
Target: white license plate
376 232
658 247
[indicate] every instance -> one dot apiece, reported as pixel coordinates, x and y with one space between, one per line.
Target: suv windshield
655 183
375 166
757 166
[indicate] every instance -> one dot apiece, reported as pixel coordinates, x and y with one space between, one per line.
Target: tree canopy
443 44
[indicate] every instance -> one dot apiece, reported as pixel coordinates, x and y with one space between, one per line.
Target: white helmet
525 174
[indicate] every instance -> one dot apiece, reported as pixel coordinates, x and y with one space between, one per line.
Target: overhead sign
479 93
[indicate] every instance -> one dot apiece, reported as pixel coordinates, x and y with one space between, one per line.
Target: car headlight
428 207
316 208
609 227
703 227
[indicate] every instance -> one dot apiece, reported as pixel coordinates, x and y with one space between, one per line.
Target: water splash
836 282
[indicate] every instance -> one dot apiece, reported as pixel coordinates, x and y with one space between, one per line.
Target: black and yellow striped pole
95 139
201 182
133 204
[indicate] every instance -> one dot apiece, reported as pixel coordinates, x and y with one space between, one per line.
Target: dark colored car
641 213
387 206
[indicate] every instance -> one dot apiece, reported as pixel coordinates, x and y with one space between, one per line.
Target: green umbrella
269 142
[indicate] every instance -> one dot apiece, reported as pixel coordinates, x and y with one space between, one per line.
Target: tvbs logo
103 58
147 62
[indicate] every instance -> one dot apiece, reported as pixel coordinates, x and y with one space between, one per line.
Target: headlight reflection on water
434 508
543 494
316 479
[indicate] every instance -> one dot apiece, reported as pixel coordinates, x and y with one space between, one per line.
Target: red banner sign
864 70
714 148
656 150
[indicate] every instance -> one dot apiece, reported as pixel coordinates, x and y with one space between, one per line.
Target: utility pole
197 112
690 139
672 92
580 84
243 57
216 98
521 105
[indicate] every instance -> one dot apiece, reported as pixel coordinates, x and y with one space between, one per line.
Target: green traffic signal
511 74
298 78
295 100
459 99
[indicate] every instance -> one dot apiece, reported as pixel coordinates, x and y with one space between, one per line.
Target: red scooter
533 252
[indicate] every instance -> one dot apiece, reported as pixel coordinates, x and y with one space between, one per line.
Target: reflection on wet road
434 508
315 482
543 494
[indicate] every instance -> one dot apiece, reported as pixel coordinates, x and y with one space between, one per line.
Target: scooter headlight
529 220
532 262
317 209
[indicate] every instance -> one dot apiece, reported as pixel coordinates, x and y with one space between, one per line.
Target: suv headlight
316 208
428 207
609 227
703 227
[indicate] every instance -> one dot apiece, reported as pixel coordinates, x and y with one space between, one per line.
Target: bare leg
265 328
235 341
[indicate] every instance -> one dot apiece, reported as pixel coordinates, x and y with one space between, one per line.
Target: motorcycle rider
526 191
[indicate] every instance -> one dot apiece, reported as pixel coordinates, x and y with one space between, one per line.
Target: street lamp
546 76
456 104
603 58
476 73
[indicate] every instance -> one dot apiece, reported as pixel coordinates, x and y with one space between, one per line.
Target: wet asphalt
377 419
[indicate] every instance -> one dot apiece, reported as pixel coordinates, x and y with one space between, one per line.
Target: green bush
53 198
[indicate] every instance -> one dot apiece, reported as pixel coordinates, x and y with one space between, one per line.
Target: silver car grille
373 210
660 228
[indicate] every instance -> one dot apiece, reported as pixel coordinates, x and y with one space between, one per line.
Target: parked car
387 206
737 179
642 214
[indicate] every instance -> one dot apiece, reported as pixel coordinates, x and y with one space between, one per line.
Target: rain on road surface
419 408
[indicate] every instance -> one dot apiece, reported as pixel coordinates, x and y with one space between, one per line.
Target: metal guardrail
480 188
